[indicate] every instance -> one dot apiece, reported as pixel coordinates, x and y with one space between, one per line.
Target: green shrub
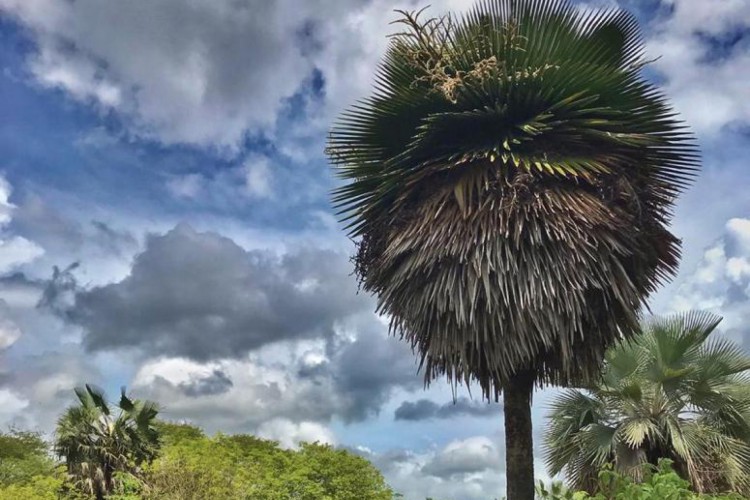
36 488
24 456
660 483
192 466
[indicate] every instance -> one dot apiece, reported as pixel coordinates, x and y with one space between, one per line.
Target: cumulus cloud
241 64
721 281
105 246
9 331
259 393
290 434
231 187
258 177
188 289
213 67
366 369
11 407
276 383
705 52
465 469
226 70
14 250
425 409
468 456
217 382
45 381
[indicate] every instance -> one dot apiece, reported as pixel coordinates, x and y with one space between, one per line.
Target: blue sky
174 150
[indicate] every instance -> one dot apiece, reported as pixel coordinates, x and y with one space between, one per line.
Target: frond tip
510 183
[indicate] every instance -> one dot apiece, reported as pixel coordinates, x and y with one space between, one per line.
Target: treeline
191 466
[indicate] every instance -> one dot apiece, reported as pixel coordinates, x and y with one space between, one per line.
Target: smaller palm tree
672 392
96 444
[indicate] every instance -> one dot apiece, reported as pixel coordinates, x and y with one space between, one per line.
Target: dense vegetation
658 482
193 466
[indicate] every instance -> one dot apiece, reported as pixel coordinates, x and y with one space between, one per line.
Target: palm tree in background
672 392
509 184
96 444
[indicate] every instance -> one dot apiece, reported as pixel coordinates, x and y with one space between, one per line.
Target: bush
23 456
196 467
36 488
193 466
660 483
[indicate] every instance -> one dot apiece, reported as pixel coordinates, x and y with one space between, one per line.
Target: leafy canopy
23 455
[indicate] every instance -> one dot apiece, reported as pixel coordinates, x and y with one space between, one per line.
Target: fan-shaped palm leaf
671 392
95 443
510 182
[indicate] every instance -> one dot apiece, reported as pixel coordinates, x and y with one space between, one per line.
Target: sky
165 222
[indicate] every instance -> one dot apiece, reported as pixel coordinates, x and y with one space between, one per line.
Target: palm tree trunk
519 449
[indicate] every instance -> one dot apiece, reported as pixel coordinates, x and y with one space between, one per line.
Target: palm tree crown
672 392
510 182
96 444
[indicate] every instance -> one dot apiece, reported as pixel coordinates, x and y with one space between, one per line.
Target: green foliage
340 475
243 466
672 392
42 487
193 466
23 456
96 444
172 433
658 483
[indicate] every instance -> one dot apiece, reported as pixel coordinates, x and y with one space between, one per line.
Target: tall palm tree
672 392
96 444
509 183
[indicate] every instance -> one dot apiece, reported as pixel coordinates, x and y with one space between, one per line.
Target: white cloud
6 207
258 394
46 380
14 250
232 187
11 405
56 67
721 281
226 69
9 330
186 186
290 434
209 73
464 457
185 72
302 382
710 90
258 177
465 469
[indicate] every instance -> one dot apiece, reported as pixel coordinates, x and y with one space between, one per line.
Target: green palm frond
95 443
510 182
672 391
